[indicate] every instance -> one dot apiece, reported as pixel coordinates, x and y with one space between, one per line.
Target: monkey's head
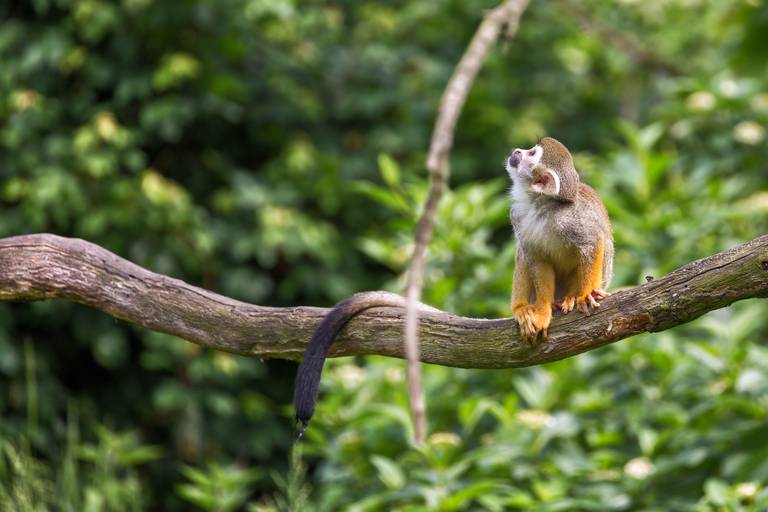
546 168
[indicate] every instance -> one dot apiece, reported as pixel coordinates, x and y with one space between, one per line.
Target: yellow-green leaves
174 69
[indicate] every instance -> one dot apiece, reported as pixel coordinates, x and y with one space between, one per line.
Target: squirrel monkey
565 246
565 249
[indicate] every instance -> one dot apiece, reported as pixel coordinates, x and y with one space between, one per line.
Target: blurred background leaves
273 151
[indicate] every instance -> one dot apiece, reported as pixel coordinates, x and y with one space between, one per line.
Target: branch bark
507 14
42 266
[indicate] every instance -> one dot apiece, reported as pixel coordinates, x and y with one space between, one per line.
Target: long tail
308 378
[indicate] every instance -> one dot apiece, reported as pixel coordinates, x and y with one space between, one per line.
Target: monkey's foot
533 322
568 303
584 304
588 302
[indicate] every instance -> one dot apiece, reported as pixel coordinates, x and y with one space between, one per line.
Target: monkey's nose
515 158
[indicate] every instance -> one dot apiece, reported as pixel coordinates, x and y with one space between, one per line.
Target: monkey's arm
587 283
522 287
534 318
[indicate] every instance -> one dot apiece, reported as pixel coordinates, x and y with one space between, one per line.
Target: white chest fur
535 228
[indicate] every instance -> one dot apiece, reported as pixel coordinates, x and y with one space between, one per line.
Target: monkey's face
546 169
521 162
524 168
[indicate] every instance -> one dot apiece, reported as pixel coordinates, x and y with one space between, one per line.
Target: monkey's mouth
515 158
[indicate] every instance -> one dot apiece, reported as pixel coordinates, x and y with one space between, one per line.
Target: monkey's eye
531 152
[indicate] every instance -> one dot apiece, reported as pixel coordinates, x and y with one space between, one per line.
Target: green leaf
390 171
389 472
717 491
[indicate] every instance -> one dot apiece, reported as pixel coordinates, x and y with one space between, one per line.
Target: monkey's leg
522 288
590 287
534 318
584 287
521 283
598 292
571 292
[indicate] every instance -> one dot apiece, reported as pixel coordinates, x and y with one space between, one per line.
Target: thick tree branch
37 267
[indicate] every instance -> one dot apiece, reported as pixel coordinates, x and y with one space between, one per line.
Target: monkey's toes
533 326
525 322
599 293
567 305
586 304
529 333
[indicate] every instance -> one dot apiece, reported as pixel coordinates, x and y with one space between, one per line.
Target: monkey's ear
545 181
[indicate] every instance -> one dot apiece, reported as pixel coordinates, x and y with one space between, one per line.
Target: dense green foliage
273 151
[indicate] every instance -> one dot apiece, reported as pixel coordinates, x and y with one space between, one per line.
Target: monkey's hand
533 321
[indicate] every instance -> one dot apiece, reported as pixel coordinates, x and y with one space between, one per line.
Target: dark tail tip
302 427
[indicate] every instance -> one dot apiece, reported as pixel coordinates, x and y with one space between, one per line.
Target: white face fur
530 225
520 165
